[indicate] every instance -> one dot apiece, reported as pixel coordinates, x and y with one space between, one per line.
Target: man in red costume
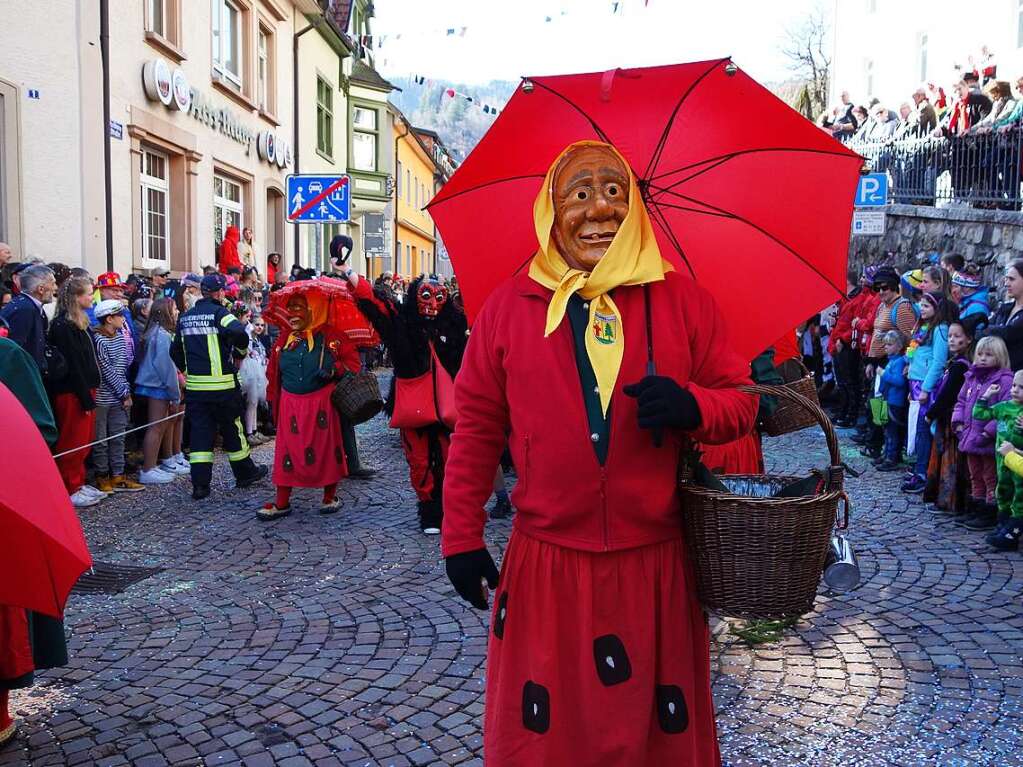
599 649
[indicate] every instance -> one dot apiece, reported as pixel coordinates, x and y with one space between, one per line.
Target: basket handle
846 504
785 393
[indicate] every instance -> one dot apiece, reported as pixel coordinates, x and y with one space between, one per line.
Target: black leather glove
663 403
466 572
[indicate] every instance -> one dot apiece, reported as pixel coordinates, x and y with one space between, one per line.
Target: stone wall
989 238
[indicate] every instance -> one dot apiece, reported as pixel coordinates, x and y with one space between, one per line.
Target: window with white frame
264 69
227 40
324 117
227 205
1019 24
155 198
397 181
156 17
364 139
417 194
408 186
923 57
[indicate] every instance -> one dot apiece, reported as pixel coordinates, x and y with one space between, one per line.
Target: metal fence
981 170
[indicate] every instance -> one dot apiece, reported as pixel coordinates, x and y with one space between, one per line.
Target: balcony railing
981 170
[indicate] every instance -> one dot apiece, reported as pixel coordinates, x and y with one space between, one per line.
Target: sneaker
269 512
257 475
914 486
170 466
81 499
1008 535
1002 521
105 485
253 440
984 519
889 466
181 460
93 491
155 476
123 484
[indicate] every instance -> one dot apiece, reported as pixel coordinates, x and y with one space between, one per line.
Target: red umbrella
744 193
43 551
342 313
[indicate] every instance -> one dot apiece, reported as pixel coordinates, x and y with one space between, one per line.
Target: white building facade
885 49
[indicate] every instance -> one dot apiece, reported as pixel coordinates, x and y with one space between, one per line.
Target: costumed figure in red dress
304 365
599 649
425 335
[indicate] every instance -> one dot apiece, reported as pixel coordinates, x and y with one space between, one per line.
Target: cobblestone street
338 640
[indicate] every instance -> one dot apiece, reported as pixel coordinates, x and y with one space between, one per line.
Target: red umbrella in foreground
42 548
342 313
744 193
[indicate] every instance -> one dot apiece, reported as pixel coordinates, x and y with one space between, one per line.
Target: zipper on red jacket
603 506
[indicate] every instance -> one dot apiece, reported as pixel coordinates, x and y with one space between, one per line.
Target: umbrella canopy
44 551
342 313
744 193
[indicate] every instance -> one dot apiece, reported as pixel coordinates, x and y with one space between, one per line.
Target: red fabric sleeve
726 412
843 326
477 443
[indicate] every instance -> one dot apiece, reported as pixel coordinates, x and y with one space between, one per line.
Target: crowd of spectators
929 371
100 347
964 130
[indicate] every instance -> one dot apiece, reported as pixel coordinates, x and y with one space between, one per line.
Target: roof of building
365 74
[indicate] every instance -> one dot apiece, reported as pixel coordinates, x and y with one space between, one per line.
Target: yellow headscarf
632 259
318 304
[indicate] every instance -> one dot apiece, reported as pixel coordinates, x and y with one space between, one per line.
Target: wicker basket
790 415
357 397
762 557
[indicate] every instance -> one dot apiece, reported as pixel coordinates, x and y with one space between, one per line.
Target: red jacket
228 257
848 309
866 312
518 387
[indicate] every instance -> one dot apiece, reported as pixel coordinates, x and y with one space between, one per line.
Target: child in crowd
946 473
252 376
977 436
1006 536
925 370
1009 491
895 390
113 399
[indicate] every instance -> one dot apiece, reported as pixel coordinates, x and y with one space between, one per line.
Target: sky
506 40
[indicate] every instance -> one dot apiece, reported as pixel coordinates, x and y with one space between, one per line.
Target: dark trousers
350 444
895 432
210 412
924 441
850 381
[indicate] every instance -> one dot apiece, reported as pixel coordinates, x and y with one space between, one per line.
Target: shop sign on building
171 88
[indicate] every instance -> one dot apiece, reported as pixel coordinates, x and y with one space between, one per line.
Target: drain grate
110 578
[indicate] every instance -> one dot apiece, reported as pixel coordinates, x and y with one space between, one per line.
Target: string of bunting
617 7
488 109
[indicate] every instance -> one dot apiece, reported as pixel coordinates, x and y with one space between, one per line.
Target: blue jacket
975 304
894 386
928 362
156 370
27 327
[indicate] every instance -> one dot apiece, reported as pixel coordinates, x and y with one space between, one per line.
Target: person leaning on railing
1002 104
1009 118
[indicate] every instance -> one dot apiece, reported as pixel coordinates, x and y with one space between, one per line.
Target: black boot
501 509
984 519
969 511
430 516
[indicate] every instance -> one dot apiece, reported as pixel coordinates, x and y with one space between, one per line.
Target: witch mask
590 191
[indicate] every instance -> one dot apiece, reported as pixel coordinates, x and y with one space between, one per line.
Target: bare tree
805 47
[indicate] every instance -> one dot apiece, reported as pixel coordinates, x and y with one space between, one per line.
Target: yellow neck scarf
632 259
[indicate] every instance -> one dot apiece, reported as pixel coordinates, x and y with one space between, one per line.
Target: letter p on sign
872 191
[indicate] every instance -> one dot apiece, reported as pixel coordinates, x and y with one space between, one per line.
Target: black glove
663 403
466 572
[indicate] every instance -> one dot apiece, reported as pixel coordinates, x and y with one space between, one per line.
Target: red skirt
598 659
308 451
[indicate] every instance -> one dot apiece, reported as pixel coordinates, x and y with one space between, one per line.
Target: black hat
211 283
886 275
340 248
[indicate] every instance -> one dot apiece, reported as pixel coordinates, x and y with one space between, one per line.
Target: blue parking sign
319 199
872 191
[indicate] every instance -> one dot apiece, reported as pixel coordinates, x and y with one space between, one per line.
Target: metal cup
841 570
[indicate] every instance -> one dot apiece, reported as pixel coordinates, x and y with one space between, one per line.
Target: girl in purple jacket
977 438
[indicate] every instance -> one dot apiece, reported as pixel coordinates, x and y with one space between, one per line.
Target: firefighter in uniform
207 337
